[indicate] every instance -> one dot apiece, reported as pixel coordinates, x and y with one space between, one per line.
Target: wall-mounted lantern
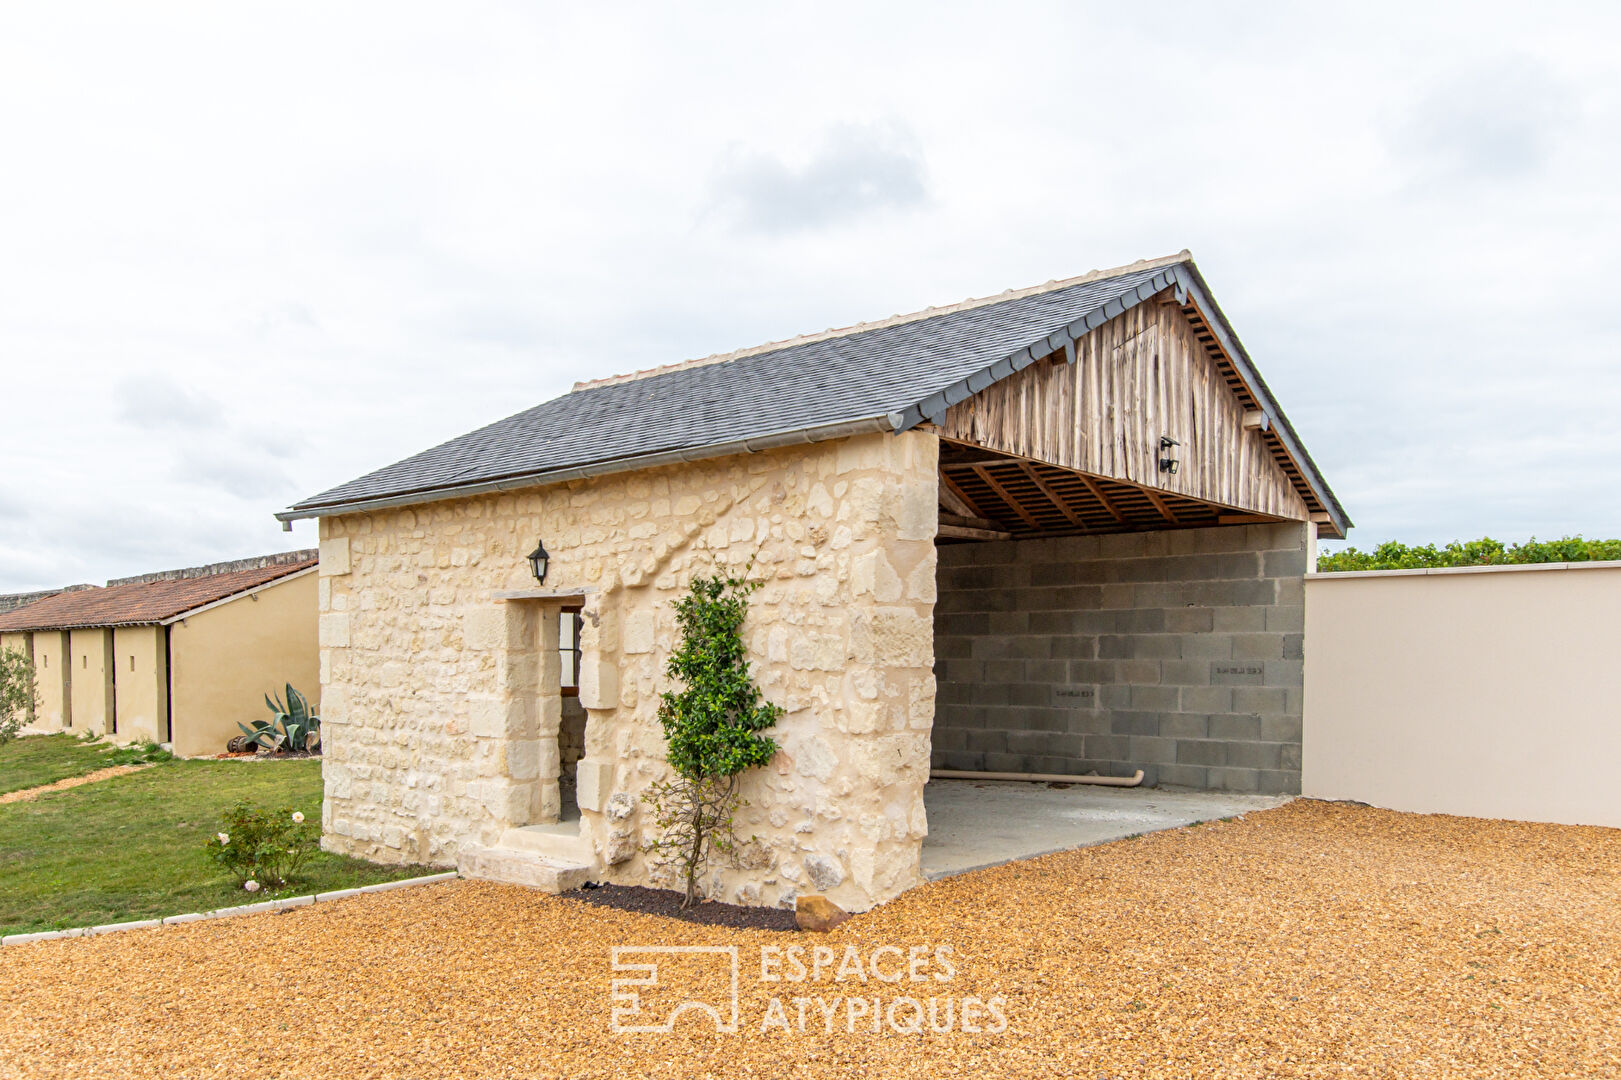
1167 457
538 559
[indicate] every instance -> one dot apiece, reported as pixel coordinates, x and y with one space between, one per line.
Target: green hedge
1484 552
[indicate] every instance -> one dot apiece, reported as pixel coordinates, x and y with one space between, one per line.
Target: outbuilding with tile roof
1060 531
176 657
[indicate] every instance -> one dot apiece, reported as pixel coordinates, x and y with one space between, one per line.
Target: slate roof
892 374
142 603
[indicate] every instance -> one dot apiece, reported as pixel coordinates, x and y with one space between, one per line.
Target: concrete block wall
1179 653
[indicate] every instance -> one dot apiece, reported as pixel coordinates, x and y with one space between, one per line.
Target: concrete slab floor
978 823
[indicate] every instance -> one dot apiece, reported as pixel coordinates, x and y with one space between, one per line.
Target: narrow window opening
132 661
568 647
572 719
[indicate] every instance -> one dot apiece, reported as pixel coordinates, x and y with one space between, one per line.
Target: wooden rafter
1058 500
1159 504
952 502
948 486
1002 493
1097 493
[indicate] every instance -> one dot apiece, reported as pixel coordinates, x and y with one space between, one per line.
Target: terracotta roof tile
140 603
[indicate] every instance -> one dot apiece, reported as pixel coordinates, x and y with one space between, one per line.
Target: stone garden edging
261 908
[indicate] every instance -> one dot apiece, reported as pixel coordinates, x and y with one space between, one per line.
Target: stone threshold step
512 866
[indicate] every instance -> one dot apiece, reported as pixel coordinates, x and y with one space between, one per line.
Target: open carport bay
979 823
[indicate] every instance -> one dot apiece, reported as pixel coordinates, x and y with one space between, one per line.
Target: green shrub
17 695
262 849
711 728
1393 555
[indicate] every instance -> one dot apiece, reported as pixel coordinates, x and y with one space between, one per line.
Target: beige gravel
1310 940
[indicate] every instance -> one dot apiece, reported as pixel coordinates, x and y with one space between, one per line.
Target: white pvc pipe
1038 778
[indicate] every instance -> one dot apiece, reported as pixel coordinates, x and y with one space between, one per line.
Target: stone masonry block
502 718
599 683
334 556
485 628
333 629
638 638
592 782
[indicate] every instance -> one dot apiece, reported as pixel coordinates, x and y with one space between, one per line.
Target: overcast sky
248 252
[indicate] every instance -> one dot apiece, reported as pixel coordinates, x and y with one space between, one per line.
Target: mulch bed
667 902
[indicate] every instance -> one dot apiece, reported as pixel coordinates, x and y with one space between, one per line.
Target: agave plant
294 727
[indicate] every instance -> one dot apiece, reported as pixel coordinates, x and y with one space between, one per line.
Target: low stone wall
437 732
1178 653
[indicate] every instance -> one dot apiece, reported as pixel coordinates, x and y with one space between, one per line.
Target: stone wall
1178 653
436 729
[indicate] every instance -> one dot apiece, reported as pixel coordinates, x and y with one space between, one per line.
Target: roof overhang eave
1191 282
752 445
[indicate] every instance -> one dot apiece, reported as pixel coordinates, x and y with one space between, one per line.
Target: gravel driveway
1308 940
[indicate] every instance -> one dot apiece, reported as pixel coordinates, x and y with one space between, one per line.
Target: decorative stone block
592 780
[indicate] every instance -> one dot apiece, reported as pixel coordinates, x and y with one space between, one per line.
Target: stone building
1059 530
178 657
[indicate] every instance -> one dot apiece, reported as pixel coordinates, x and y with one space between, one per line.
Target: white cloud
255 251
856 171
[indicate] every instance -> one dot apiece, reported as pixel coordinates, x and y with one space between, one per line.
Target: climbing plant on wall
712 728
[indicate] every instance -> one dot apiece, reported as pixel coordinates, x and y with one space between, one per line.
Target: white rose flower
251 885
298 817
224 838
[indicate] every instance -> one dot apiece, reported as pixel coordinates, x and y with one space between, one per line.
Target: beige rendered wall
227 658
92 674
1491 692
20 641
142 681
55 711
436 735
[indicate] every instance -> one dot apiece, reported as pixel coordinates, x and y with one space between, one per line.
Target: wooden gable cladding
1143 375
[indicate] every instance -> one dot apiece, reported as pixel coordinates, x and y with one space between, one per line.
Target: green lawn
32 760
131 847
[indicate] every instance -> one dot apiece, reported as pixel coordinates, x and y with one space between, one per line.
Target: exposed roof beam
949 486
1159 504
1097 493
1058 501
952 502
1002 493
